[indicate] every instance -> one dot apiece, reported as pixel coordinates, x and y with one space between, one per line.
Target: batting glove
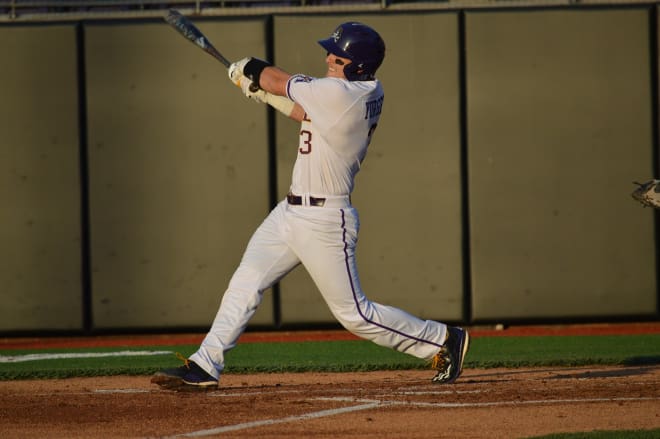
236 70
258 95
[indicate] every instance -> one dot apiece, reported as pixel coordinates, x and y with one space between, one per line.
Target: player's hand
236 70
648 193
251 92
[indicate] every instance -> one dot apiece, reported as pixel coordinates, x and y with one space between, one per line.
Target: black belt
297 200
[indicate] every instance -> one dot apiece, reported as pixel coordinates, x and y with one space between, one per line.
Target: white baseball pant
323 239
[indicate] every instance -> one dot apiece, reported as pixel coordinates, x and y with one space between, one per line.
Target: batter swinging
316 225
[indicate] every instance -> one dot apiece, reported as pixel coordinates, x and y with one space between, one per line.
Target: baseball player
315 224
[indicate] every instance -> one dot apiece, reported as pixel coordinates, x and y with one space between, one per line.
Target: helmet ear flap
356 72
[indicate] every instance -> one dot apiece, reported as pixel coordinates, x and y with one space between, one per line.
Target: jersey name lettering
373 108
301 78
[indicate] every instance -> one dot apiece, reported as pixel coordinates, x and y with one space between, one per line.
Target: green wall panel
559 124
408 191
40 274
559 120
178 170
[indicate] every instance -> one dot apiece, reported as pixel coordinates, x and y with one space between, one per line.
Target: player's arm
272 80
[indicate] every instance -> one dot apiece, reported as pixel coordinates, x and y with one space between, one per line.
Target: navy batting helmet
359 43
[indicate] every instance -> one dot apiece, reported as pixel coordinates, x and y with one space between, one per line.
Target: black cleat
449 360
189 377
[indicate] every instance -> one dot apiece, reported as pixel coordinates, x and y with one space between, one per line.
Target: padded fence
496 187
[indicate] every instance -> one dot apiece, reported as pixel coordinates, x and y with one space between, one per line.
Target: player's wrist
281 103
254 68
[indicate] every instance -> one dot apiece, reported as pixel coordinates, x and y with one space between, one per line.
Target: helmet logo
336 35
361 45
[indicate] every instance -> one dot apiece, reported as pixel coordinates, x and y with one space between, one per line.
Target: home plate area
494 403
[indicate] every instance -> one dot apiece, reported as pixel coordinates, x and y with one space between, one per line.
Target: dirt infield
493 403
484 403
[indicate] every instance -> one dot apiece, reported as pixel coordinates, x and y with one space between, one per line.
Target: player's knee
355 320
247 279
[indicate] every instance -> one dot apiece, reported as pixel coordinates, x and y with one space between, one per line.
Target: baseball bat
192 33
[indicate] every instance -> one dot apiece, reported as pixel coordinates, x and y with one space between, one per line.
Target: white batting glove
236 70
259 95
281 103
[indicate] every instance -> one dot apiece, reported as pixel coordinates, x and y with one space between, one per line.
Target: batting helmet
359 43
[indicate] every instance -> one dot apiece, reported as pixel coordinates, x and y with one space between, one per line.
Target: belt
331 201
297 200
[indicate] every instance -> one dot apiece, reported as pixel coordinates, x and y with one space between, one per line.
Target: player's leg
267 258
330 260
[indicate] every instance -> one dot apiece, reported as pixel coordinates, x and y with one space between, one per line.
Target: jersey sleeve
321 98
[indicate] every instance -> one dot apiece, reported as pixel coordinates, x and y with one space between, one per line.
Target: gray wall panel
559 126
40 273
178 169
408 191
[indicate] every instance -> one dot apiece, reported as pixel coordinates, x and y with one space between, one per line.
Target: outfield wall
496 187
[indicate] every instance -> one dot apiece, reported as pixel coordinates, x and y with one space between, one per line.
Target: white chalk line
367 404
219 394
387 393
313 415
495 403
114 391
69 355
437 392
252 393
99 392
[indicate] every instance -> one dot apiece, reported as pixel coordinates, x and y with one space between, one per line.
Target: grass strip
343 356
565 351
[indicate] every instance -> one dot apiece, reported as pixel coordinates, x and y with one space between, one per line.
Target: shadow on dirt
580 372
611 373
642 360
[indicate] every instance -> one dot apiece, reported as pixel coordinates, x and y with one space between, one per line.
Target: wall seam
655 154
83 162
464 171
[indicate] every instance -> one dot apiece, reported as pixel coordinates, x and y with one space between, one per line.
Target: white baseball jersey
340 118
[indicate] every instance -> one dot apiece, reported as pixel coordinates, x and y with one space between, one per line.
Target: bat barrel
193 34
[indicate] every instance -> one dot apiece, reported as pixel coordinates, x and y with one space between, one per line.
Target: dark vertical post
83 162
653 56
272 164
465 198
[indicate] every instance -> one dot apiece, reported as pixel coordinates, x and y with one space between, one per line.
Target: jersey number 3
305 142
306 139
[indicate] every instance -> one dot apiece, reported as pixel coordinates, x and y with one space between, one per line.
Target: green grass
338 356
565 351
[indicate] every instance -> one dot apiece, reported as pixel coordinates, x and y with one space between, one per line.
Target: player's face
336 66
